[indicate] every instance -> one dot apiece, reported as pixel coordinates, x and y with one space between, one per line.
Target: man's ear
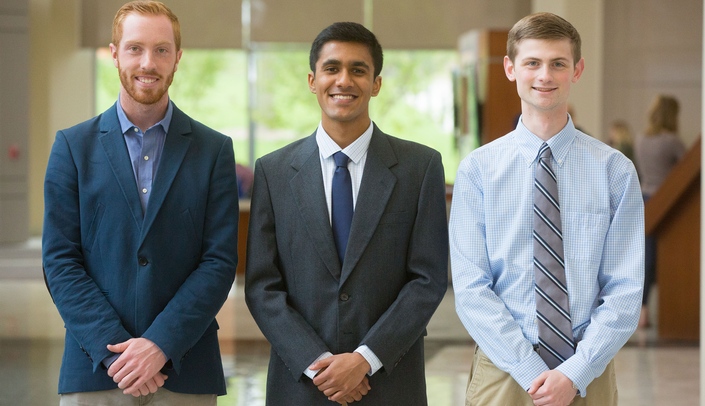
579 67
509 69
113 54
311 82
376 86
178 58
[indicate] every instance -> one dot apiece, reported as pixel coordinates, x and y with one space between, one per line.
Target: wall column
62 89
14 119
586 96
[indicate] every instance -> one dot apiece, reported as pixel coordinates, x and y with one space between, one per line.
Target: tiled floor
31 345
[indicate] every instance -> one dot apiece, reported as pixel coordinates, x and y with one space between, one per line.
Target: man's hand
552 388
137 369
357 393
342 377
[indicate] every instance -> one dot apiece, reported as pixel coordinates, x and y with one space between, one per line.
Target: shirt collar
529 143
355 151
126 124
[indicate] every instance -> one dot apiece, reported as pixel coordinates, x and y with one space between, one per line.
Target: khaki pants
490 386
115 397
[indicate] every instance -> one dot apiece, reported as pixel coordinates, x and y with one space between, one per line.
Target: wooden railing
672 214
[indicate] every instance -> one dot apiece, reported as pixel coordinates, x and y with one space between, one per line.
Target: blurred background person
656 151
620 138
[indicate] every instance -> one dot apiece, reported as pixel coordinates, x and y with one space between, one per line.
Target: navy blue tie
342 203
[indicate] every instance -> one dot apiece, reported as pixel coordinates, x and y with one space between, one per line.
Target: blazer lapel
309 195
375 189
176 145
116 150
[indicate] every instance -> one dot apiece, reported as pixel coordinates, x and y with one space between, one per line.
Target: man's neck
545 124
344 133
144 115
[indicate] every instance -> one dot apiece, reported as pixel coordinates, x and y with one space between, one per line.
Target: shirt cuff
371 358
311 373
578 372
107 362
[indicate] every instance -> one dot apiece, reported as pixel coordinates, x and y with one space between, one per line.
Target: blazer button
344 297
142 261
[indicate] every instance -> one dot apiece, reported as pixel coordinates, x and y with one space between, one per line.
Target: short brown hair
546 26
145 7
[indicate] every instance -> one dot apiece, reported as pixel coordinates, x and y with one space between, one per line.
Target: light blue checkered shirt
491 246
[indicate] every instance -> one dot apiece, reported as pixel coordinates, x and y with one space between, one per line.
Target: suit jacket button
142 261
344 297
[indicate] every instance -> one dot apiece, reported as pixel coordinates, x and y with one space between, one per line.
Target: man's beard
145 96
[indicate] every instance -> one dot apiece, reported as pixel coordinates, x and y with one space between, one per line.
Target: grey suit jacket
393 277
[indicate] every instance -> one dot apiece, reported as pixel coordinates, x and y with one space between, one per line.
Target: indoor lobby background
51 78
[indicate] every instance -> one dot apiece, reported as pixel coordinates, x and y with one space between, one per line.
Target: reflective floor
31 332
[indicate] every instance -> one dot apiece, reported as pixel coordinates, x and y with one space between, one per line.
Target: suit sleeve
406 319
294 340
88 316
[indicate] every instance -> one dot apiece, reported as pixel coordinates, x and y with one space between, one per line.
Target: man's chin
147 98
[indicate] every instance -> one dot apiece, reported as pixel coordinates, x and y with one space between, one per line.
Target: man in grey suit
346 320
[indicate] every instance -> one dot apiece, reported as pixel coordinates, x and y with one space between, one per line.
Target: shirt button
146 158
344 297
136 129
142 261
144 190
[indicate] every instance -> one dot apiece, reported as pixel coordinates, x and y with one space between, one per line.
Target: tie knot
341 160
545 151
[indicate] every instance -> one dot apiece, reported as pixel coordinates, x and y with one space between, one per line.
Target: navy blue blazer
115 273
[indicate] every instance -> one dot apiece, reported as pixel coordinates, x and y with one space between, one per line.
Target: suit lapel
375 189
309 195
176 145
116 150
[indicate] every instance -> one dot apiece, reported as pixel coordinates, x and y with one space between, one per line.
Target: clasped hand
343 377
137 369
552 388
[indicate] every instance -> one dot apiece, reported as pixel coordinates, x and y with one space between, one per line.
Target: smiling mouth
544 89
343 97
146 80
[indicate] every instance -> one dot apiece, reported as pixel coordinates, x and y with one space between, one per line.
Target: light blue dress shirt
602 215
145 149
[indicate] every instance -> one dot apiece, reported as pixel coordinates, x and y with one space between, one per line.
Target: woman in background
620 138
656 153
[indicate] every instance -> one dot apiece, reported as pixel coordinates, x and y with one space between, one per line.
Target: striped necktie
556 341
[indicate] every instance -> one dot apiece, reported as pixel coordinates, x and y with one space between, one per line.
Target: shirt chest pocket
584 237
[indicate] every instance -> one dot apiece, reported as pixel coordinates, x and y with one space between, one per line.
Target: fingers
151 386
119 347
537 383
321 365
